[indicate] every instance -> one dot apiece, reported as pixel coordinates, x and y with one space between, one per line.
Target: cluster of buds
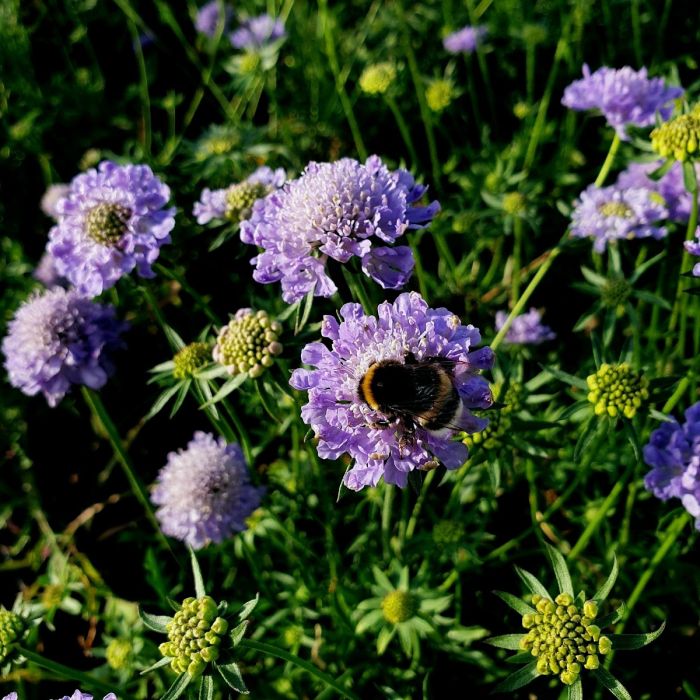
615 292
439 94
107 222
248 343
191 358
563 637
378 78
617 389
241 197
11 628
399 606
514 203
118 654
194 636
678 138
499 421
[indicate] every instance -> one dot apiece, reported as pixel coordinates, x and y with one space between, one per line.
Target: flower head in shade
611 213
624 96
59 338
209 17
385 445
51 197
673 452
526 329
464 40
617 390
235 202
112 220
204 492
257 33
336 210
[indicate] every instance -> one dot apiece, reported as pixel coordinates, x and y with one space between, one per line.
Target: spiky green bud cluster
499 421
191 358
194 636
447 533
11 628
514 203
218 142
118 654
248 343
399 606
563 638
521 110
378 78
678 138
615 292
617 389
240 199
107 222
439 94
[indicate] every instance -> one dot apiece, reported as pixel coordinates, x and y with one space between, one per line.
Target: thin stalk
637 32
413 520
358 290
483 66
517 257
413 242
403 129
196 296
240 430
473 97
143 88
609 160
389 493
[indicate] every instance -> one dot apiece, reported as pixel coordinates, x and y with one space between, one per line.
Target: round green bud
191 358
378 78
604 645
219 625
439 94
399 606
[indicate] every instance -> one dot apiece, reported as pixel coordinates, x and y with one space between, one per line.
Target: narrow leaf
607 680
518 679
238 632
524 657
161 662
506 641
626 642
633 439
211 372
561 571
567 378
248 607
206 689
532 582
516 603
180 398
178 687
575 691
605 589
197 575
611 618
228 387
586 435
162 400
154 622
232 675
303 315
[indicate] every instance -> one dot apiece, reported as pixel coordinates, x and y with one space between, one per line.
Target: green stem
283 654
413 520
358 290
403 129
609 160
196 296
517 257
389 493
143 87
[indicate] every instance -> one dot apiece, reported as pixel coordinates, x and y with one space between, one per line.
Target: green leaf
561 571
197 575
593 277
302 315
567 378
232 675
605 589
180 398
627 642
494 471
161 662
229 386
386 634
238 632
690 180
178 687
518 679
611 618
652 299
661 170
632 438
524 657
154 622
586 435
532 582
211 372
175 340
575 691
520 606
607 680
641 269
248 607
506 641
162 400
206 689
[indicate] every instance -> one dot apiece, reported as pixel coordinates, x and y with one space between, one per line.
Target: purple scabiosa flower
111 221
204 492
526 329
693 247
209 16
336 210
77 695
51 197
464 40
610 213
624 96
59 338
235 202
383 445
257 32
47 273
673 452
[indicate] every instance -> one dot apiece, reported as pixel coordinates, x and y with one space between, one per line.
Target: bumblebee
416 394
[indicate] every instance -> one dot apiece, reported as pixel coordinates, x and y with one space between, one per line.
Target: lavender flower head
611 213
336 210
673 452
47 273
51 197
111 221
693 247
344 423
526 329
77 695
257 33
624 96
204 492
59 338
464 40
209 16
235 201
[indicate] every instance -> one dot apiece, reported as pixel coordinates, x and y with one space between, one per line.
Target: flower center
615 292
106 223
10 629
678 138
618 209
617 389
240 199
563 637
190 359
399 606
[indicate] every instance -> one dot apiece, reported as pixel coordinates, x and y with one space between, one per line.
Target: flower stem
608 162
280 653
413 520
403 129
517 257
389 493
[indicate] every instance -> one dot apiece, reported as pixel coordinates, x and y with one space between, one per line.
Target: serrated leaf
178 687
627 642
161 662
229 386
197 575
154 622
575 691
561 570
232 675
238 632
248 607
506 641
518 679
512 601
607 680
605 589
532 582
206 689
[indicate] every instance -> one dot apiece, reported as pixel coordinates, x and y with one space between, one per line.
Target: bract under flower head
464 40
209 17
59 338
257 32
346 424
673 452
624 96
111 221
526 329
611 213
204 492
336 210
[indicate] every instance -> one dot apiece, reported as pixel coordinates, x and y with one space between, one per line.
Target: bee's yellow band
366 388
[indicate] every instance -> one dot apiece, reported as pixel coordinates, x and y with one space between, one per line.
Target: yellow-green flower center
11 628
194 636
439 94
240 199
615 208
563 638
399 606
377 79
190 359
107 222
118 654
678 138
514 203
617 389
248 343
